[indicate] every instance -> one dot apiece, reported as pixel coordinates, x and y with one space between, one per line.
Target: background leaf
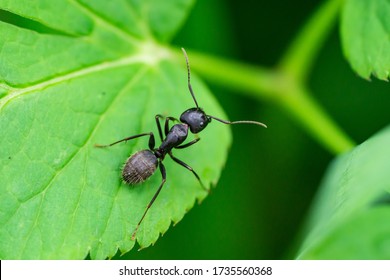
350 216
365 32
96 81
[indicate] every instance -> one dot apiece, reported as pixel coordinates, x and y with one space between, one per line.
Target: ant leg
158 117
188 144
164 178
151 140
166 127
189 168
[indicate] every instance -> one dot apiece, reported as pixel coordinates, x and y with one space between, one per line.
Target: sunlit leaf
76 73
365 31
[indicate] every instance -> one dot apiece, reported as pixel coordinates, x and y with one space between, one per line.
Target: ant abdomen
139 167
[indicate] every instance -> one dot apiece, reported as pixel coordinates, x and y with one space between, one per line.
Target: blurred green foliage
258 215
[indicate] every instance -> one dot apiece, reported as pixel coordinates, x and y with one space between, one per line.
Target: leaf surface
101 74
365 33
350 216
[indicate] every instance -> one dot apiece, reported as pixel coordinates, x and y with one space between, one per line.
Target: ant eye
201 123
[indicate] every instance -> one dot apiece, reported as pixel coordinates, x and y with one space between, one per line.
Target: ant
141 165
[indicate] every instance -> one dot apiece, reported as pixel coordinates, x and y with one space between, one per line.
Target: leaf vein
141 71
129 60
106 22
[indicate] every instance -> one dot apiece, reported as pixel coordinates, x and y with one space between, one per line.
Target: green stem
275 86
301 54
285 85
316 121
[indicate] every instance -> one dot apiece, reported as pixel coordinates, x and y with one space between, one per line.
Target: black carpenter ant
141 165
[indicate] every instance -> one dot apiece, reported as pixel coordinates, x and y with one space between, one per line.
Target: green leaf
365 32
99 75
350 219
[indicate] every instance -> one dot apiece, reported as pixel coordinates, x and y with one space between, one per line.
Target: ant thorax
176 135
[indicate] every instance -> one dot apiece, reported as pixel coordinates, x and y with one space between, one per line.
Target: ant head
196 119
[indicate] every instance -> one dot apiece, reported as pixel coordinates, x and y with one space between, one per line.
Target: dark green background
266 188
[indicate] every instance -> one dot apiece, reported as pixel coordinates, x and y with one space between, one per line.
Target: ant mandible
141 165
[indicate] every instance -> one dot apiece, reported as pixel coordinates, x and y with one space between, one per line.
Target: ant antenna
189 77
237 122
196 103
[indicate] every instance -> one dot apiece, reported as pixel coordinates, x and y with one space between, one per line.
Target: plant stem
275 86
284 85
316 121
301 54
